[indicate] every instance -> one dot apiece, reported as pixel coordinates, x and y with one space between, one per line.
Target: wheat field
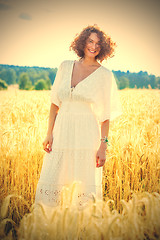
131 176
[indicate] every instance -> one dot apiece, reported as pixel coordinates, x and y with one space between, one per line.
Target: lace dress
77 133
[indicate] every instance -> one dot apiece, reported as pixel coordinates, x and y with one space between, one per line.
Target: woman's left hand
101 156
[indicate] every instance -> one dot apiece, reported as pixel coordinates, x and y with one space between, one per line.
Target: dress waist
76 107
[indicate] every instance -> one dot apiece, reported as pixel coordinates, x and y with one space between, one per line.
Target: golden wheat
96 221
133 157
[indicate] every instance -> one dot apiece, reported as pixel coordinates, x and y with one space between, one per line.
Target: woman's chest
80 74
85 89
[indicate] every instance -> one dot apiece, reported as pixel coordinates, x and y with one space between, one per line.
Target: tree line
136 80
40 78
27 78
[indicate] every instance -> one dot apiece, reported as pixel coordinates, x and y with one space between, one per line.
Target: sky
39 32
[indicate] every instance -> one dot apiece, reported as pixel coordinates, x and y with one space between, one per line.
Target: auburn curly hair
107 46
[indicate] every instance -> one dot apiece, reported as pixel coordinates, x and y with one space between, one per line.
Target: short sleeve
107 103
54 90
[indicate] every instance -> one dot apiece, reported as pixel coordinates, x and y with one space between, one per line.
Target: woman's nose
94 46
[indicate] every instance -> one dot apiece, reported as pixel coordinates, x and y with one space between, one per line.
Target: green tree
158 82
48 82
8 75
3 85
24 82
41 84
152 80
123 82
52 74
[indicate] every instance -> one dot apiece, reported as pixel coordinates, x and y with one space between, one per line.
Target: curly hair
107 46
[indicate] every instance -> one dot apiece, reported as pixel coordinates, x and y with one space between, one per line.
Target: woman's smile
92 51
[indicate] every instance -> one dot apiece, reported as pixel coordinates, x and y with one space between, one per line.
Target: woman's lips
91 51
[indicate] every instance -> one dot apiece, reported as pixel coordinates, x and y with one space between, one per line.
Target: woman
84 98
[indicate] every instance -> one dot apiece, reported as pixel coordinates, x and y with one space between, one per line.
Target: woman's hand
47 143
101 155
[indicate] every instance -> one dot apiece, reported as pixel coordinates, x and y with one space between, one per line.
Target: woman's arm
101 153
52 116
47 143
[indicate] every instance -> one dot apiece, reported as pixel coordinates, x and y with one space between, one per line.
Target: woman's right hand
47 143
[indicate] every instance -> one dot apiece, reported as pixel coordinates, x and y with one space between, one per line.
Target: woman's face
92 47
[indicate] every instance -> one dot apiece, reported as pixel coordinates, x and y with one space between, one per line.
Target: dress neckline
72 66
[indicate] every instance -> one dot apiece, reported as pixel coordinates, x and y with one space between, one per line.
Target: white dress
77 133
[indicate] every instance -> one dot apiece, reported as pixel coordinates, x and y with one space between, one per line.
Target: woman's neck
89 61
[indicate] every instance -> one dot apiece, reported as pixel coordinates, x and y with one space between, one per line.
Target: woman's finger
101 163
97 160
47 150
50 146
44 144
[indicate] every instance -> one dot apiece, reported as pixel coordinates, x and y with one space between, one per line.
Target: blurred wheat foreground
140 219
131 179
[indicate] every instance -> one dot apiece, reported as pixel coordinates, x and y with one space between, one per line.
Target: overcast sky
39 32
